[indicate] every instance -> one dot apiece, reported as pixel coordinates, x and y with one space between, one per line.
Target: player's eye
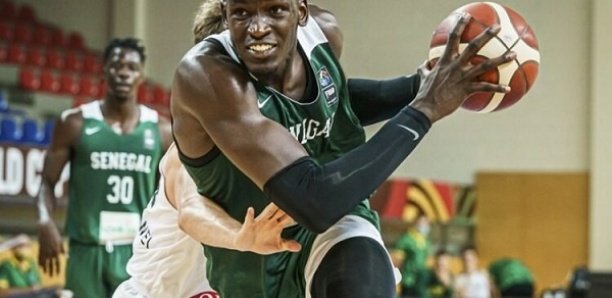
240 13
277 10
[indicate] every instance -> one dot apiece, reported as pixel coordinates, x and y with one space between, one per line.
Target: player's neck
291 80
119 109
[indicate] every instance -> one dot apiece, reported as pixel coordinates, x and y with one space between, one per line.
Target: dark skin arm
165 131
214 104
65 134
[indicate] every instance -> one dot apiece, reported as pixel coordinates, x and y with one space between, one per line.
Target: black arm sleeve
374 101
317 196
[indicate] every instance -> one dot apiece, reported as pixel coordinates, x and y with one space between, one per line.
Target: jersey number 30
122 189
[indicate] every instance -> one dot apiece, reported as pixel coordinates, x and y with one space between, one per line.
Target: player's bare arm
211 91
165 133
66 133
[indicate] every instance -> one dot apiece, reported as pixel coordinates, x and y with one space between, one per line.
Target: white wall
601 138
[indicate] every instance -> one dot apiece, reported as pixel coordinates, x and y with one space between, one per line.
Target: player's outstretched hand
262 234
454 77
51 247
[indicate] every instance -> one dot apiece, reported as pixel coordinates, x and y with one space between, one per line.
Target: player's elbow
184 220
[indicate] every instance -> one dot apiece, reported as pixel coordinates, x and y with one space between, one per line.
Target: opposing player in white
168 259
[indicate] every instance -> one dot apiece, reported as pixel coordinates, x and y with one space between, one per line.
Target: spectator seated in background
19 275
512 278
473 282
440 278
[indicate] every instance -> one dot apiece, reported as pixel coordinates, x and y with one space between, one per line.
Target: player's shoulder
207 68
71 118
205 55
329 25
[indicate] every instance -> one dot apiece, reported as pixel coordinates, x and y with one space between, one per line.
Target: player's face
123 72
264 33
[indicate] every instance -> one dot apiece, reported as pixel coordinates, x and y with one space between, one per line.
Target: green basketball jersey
326 127
112 177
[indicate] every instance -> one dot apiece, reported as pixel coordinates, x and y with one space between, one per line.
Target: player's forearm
377 100
45 202
208 223
318 196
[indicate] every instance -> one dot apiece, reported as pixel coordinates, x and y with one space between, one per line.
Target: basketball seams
515 35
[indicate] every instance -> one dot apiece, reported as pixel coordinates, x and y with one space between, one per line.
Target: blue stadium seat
47 132
8 130
3 101
29 133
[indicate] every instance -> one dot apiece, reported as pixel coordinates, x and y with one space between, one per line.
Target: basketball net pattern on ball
519 74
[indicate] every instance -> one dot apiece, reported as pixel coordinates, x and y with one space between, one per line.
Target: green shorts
92 271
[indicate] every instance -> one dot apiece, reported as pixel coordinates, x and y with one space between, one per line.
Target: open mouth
123 87
261 49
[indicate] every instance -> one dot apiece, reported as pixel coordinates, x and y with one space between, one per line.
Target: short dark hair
442 252
128 43
469 247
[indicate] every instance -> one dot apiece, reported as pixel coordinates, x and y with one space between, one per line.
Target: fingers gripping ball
515 35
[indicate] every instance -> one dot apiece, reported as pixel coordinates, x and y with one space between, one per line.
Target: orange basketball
515 35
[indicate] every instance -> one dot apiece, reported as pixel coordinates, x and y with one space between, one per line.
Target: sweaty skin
214 100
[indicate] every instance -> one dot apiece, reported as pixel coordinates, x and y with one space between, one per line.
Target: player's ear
302 12
223 13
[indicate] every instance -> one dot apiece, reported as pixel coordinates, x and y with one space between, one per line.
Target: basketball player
236 94
113 146
168 260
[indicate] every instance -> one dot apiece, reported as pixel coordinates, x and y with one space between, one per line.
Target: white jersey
166 261
474 285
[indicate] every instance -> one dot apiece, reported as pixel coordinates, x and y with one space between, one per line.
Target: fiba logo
208 294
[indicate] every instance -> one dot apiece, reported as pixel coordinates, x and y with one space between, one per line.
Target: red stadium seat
57 37
26 14
16 54
145 94
88 87
160 95
68 84
6 30
101 88
3 53
48 81
75 41
36 56
42 35
74 61
55 59
92 64
8 10
28 80
23 32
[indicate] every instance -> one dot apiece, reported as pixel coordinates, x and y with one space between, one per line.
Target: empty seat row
50 57
40 34
67 83
27 131
24 12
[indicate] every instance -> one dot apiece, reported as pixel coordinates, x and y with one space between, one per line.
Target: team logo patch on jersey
208 294
149 140
328 86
